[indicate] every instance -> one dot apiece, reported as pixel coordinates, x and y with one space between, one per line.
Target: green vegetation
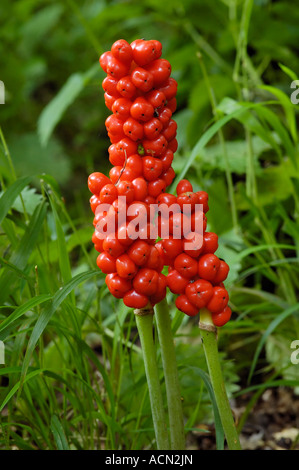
73 376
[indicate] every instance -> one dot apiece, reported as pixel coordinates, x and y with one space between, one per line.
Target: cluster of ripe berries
141 95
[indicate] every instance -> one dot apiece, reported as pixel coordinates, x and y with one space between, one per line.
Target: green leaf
218 426
9 196
273 325
30 198
21 255
54 111
46 316
22 309
31 158
58 432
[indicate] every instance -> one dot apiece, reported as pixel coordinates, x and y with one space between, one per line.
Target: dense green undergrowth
73 375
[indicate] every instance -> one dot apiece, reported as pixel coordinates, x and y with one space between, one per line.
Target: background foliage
73 371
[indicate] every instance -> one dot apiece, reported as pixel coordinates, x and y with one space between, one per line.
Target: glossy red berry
139 252
176 282
125 267
146 281
145 52
184 186
106 263
133 299
218 301
208 266
122 51
184 305
186 266
118 286
141 110
96 181
142 79
199 293
221 318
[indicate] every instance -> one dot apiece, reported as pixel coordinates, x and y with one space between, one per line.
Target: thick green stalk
208 335
144 321
176 420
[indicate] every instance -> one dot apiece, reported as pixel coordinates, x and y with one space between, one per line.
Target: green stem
145 329
176 420
211 352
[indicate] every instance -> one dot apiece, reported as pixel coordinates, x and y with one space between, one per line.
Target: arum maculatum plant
141 229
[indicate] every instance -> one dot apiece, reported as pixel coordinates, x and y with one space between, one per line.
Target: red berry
108 194
152 128
126 189
156 187
121 108
193 244
140 188
168 176
184 305
187 199
203 199
184 186
221 318
210 242
166 198
146 281
172 247
155 147
113 246
139 252
118 286
176 282
170 131
125 267
116 68
199 293
114 125
109 85
142 79
164 116
160 293
153 260
208 266
133 129
133 299
222 273
141 110
106 263
96 181
156 98
126 87
114 173
167 159
122 51
94 201
152 168
145 52
170 88
218 301
186 266
161 70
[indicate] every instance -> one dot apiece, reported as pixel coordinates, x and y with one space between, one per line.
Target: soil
273 423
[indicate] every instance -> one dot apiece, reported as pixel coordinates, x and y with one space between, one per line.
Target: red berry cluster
195 273
141 95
